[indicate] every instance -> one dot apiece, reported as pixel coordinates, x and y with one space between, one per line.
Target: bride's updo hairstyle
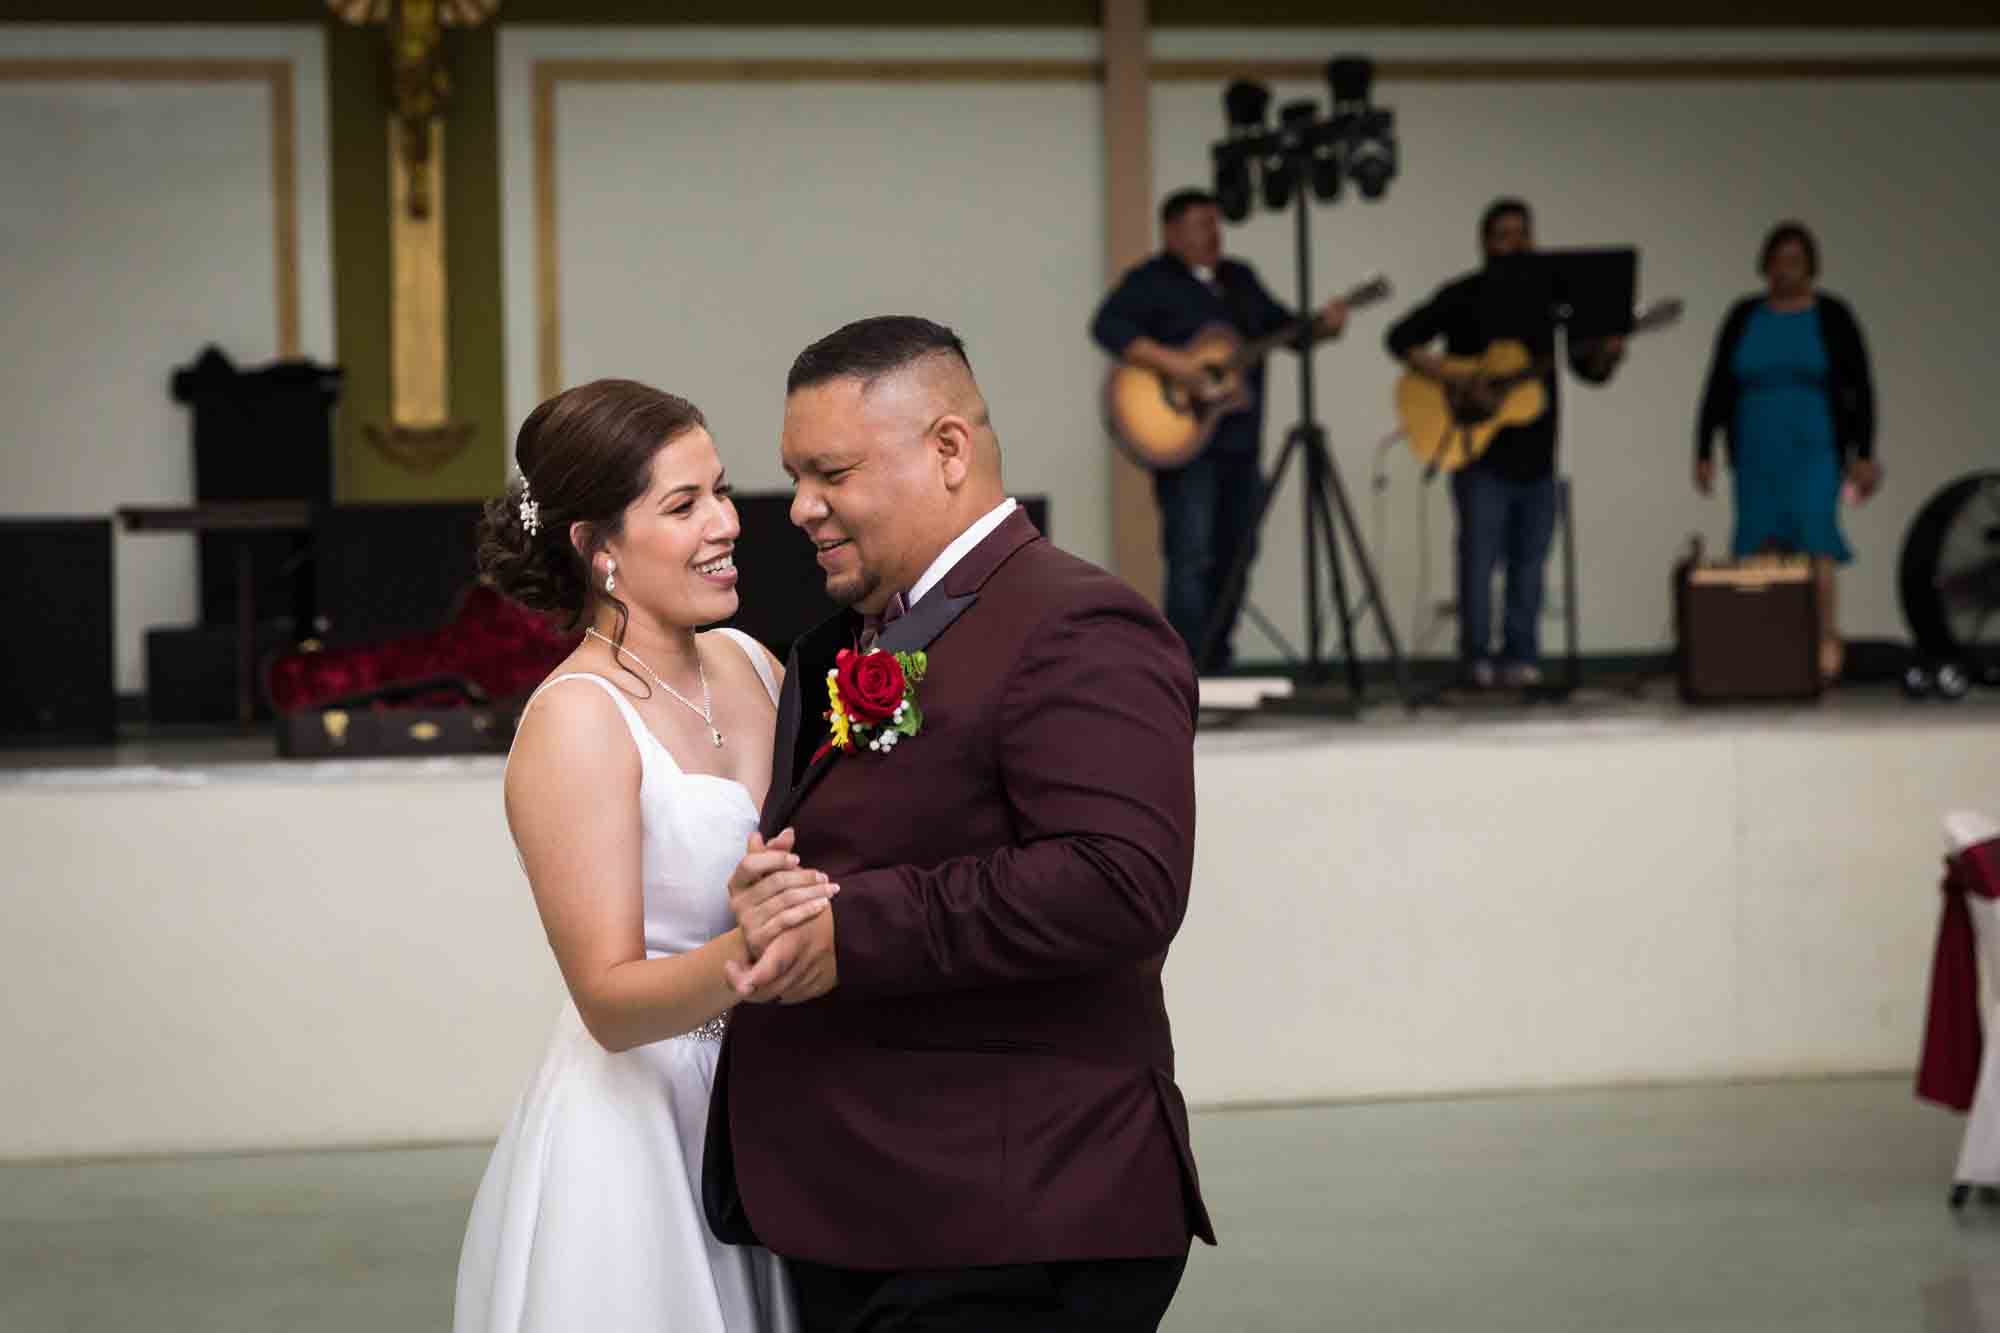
582 457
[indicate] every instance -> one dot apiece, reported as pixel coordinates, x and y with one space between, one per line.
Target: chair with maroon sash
1958 1067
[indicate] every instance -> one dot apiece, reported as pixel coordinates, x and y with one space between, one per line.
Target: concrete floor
1804 1206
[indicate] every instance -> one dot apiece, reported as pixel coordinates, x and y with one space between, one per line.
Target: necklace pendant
718 737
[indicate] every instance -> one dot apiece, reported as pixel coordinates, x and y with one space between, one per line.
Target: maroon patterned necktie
873 625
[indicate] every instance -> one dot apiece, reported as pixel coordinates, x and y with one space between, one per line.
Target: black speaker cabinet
191 670
383 570
55 632
259 434
779 580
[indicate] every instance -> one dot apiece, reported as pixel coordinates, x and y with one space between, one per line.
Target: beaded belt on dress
712 1030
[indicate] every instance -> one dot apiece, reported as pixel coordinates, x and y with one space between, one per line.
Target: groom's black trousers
1101 1296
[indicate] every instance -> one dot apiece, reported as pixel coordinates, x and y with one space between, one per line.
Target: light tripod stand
1354 140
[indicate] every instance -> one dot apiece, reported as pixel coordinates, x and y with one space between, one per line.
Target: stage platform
212 949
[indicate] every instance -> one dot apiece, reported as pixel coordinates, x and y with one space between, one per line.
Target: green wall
357 81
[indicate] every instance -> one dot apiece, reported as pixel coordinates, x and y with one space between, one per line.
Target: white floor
1812 1207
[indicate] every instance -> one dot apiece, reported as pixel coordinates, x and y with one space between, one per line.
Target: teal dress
1787 466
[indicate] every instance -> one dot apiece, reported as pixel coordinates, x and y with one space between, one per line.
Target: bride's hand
771 893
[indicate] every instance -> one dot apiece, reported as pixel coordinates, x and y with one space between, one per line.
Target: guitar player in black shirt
1506 499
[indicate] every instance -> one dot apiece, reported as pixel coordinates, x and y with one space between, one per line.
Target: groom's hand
770 892
798 966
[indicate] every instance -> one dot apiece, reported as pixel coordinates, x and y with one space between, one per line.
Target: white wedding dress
589 1216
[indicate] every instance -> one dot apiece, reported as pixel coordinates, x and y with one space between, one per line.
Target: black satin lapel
799 730
778 815
812 658
926 620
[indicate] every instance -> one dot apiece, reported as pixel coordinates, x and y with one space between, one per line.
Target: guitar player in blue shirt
1207 508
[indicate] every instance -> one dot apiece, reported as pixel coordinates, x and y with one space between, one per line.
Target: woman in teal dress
1789 389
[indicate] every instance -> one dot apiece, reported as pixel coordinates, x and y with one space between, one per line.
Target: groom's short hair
867 349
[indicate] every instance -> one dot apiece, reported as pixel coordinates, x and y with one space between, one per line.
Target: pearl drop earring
610 575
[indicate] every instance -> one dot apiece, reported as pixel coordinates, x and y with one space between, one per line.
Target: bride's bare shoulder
571 728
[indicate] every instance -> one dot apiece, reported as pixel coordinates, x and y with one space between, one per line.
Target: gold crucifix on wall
419 434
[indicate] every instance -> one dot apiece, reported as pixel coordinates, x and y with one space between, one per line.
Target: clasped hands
782 909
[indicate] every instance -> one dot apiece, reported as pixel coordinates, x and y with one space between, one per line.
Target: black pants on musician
1208 516
1095 1296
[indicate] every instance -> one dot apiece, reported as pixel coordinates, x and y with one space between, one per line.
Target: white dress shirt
959 548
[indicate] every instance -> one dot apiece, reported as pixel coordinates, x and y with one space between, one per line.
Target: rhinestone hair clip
531 511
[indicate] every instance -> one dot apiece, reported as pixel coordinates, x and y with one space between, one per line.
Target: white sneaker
1480 675
1521 675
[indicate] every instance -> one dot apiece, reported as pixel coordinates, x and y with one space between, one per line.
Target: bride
632 792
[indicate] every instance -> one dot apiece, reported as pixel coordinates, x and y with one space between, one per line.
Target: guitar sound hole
1467 412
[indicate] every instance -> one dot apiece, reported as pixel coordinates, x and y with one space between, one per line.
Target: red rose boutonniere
872 698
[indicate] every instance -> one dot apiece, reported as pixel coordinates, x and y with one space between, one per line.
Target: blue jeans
1208 512
1501 519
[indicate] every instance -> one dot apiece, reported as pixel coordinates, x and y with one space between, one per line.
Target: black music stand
1594 292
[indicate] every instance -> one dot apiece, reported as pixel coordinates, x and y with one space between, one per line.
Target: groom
961 1112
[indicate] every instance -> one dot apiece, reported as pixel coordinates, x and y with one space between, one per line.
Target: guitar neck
1357 298
1660 315
1258 348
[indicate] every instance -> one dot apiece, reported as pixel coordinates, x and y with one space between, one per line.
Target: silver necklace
707 709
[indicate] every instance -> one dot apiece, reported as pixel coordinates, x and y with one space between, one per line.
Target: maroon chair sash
1948 1073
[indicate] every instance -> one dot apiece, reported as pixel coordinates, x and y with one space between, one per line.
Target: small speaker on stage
191 670
1747 631
783 590
55 632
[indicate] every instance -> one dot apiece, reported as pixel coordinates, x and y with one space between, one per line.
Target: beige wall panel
1889 173
149 212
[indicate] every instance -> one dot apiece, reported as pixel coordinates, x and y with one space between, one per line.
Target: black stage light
1367 132
1349 78
1232 180
1278 175
1371 156
1244 104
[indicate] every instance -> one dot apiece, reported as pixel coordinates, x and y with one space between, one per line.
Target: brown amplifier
1748 630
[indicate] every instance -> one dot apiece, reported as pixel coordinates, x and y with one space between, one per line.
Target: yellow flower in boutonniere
874 698
837 713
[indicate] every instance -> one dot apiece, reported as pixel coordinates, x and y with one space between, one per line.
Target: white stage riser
292 957
1520 907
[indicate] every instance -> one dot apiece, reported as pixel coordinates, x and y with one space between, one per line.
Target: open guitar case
457 689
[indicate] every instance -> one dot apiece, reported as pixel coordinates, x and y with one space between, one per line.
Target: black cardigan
1849 391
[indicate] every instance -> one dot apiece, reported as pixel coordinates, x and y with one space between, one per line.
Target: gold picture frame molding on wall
275 75
549 74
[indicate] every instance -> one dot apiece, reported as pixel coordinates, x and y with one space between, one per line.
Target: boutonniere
872 698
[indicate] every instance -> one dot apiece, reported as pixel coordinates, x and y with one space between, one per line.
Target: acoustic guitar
1450 423
1159 424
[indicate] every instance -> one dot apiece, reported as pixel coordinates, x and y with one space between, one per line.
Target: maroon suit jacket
991 1081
